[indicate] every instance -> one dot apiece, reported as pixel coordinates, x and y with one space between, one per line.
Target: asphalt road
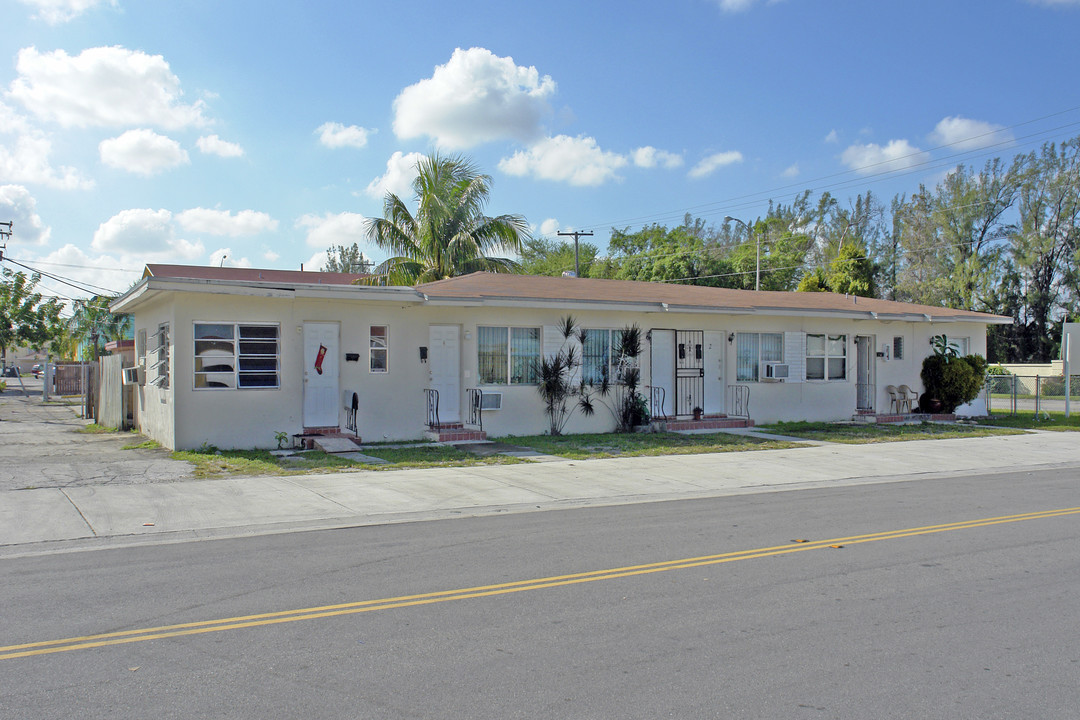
525 616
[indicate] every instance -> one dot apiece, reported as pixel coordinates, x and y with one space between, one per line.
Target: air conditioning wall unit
491 401
134 375
775 372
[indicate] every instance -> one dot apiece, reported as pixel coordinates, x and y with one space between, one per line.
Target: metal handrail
739 400
657 399
476 407
432 402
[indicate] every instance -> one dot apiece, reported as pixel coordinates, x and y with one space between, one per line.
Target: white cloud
25 159
832 137
213 145
223 222
791 171
316 263
650 157
1056 3
711 164
116 273
142 152
398 178
965 134
223 257
270 256
735 5
144 234
333 229
103 87
550 227
336 135
578 161
19 206
873 158
58 11
474 98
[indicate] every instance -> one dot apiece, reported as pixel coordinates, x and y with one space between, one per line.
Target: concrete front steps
707 422
455 433
871 417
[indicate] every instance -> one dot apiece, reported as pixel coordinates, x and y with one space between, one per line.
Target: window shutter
795 356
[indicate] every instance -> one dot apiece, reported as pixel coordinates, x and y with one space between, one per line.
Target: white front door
444 368
864 372
662 373
320 374
714 372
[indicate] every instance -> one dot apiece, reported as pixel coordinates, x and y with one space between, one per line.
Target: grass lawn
606 445
859 433
1026 420
222 463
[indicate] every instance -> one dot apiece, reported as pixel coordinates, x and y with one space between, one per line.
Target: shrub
997 370
1052 386
953 380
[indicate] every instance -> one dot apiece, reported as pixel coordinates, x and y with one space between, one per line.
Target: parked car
11 371
37 370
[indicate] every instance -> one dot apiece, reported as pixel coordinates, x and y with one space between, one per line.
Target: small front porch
872 417
717 421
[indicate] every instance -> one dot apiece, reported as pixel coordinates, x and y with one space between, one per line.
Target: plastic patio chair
908 397
894 398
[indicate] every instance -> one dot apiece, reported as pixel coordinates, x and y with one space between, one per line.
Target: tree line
1002 239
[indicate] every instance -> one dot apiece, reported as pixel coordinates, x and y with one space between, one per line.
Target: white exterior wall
392 404
154 406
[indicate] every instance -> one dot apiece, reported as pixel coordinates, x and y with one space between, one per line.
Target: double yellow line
247 621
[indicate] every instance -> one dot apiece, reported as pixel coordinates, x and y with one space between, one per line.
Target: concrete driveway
41 447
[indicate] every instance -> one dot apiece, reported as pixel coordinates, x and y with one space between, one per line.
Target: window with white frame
601 356
140 348
160 367
377 348
752 349
826 357
962 345
231 356
508 355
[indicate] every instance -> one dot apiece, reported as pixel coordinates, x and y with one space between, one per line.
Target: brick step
708 423
904 417
455 435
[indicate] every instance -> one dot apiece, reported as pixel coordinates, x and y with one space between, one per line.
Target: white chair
895 399
907 398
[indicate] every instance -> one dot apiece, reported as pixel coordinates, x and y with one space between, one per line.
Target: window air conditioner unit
491 401
775 371
134 375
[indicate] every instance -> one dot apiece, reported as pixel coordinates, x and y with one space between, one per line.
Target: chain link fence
1031 393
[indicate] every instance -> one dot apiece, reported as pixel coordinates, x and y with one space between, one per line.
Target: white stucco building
232 356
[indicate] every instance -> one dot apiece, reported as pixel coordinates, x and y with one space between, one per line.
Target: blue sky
135 132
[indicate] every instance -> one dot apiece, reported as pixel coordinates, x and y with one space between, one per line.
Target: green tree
341 259
25 317
1047 238
688 253
449 234
93 324
541 256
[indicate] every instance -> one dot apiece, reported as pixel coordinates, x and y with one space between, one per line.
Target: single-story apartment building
231 356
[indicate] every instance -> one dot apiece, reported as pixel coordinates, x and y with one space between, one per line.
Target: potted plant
697 413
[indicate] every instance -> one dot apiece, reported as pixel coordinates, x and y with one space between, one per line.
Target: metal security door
689 371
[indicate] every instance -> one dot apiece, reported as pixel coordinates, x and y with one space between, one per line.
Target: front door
864 372
444 368
320 374
714 372
662 372
689 371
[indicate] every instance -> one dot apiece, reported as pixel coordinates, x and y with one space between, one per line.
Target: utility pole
4 235
576 235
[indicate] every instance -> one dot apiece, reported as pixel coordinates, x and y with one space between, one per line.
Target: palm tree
450 234
92 322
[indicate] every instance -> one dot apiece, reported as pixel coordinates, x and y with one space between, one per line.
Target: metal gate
689 371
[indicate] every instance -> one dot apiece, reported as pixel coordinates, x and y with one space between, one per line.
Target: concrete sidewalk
105 515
